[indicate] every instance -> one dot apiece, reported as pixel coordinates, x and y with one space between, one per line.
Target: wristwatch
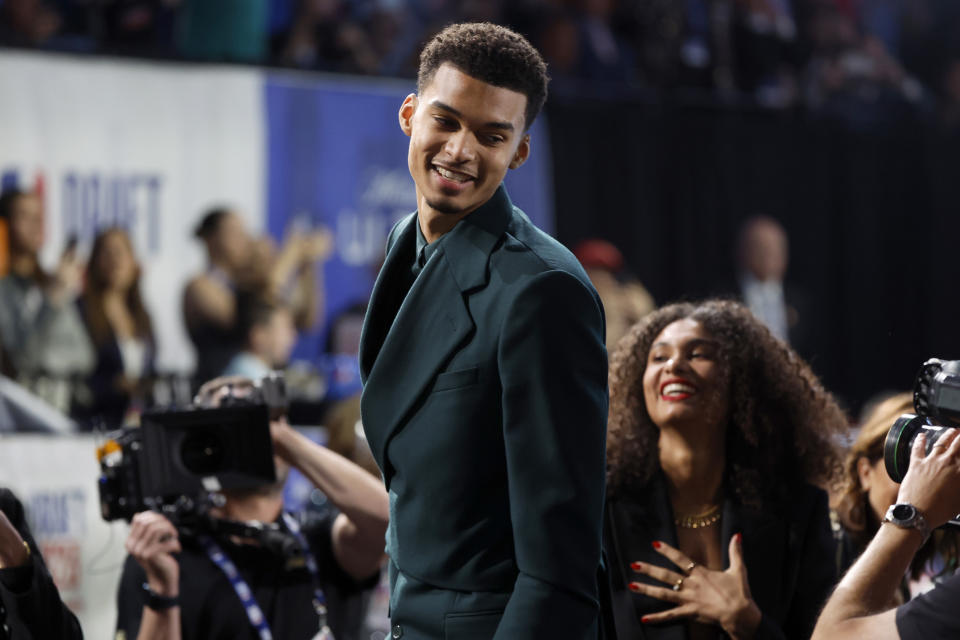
907 516
157 602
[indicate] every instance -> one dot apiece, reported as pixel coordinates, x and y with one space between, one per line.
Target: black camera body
936 399
177 457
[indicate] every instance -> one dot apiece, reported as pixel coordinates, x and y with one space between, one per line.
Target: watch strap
157 602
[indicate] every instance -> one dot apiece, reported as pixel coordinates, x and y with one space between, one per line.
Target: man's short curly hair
491 53
783 426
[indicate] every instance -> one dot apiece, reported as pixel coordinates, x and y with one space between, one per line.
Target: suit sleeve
30 597
553 368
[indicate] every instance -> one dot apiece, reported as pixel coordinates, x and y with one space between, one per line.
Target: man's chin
445 207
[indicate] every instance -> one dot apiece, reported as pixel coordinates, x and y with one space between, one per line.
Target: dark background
871 216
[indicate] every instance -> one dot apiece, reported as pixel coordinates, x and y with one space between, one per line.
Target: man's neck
435 224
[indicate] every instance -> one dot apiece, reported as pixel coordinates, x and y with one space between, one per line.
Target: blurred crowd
859 60
80 337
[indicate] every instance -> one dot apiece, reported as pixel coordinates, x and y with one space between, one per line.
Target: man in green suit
485 372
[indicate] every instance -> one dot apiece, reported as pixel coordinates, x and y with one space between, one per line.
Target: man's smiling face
464 135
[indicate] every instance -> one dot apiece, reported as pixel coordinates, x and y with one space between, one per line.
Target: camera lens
202 453
899 443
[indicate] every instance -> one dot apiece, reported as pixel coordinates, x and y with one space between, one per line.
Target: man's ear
522 153
407 109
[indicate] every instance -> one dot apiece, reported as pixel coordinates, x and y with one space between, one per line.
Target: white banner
56 480
147 146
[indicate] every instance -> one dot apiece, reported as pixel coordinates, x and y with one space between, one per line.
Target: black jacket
789 559
31 608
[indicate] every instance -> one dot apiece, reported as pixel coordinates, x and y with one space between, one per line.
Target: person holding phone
40 328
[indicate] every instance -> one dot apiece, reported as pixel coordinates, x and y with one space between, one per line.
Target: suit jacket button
397 631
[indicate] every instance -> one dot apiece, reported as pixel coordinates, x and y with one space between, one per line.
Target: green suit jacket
485 406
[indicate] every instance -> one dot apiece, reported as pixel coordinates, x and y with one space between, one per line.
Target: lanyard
245 593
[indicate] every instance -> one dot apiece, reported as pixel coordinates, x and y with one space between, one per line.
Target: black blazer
789 560
485 406
31 605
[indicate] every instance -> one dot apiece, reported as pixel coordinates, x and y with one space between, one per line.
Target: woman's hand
703 595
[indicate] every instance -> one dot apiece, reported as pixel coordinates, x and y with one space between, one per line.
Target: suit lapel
433 320
431 323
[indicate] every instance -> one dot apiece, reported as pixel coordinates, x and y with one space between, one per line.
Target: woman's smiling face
685 380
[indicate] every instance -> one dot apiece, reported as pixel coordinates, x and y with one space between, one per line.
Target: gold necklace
709 517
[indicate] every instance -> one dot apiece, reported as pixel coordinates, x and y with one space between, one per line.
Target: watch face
904 512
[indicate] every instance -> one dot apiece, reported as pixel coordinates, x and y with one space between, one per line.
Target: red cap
595 253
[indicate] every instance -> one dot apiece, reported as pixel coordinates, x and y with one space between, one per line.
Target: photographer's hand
152 541
932 479
855 610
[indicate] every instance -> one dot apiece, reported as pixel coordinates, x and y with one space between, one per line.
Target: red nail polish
656 545
636 566
739 538
633 586
645 619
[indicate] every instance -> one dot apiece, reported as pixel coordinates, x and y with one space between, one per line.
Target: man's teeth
677 388
450 175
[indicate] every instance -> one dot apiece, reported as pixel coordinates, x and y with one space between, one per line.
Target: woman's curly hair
783 425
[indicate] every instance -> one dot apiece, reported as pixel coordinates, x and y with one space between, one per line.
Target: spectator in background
119 327
40 328
325 36
30 605
723 526
867 493
765 42
605 55
269 335
852 77
762 260
762 257
237 262
209 300
625 300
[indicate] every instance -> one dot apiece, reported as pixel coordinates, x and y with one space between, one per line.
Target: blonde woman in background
867 493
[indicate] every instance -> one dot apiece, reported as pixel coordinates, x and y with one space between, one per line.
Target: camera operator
856 610
178 587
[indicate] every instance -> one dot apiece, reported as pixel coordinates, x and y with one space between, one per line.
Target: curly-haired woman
724 531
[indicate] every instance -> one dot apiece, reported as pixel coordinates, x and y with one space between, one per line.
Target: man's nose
460 146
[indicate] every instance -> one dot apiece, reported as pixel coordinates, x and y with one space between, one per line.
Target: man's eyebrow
505 126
